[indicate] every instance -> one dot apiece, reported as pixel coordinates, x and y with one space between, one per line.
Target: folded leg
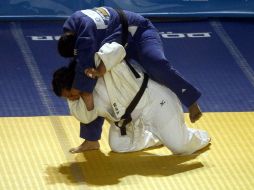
136 139
166 120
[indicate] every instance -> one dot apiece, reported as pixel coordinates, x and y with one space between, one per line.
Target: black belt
125 33
125 25
126 118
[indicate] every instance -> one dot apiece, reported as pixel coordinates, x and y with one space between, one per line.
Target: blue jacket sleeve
85 30
81 81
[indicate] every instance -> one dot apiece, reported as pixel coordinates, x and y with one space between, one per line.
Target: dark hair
63 78
66 44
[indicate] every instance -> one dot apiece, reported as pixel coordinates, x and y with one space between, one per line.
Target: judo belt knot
126 118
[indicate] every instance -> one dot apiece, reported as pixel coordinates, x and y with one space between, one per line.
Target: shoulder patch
96 17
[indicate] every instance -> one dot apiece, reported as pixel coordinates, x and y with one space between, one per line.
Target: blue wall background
53 9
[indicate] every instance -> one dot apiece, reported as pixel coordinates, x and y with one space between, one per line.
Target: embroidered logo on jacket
116 108
162 102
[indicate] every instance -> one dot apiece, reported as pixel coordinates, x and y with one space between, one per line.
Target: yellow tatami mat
34 155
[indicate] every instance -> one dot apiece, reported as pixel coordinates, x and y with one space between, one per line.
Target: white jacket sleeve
110 54
79 111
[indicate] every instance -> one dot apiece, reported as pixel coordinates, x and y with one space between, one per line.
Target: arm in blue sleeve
92 131
82 82
86 48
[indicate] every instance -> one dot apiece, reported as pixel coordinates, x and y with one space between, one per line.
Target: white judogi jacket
114 92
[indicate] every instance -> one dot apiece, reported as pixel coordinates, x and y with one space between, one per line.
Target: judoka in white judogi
157 119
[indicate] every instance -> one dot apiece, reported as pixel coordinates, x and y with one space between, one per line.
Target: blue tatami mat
214 55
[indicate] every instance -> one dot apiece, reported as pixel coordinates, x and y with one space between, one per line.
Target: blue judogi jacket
93 29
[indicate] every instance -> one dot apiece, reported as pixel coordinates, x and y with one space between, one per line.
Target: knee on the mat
120 144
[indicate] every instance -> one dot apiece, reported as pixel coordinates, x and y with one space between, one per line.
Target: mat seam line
234 51
41 87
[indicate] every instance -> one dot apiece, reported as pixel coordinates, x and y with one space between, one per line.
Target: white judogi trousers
157 119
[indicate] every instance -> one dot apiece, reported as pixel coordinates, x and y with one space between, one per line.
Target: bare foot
194 112
86 145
